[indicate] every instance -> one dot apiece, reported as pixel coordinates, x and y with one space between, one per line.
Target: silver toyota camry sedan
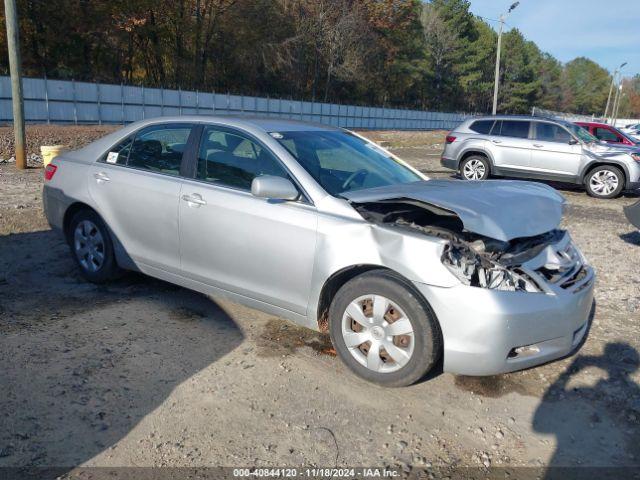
320 226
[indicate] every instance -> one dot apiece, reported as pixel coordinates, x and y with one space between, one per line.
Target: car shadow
588 435
632 238
83 365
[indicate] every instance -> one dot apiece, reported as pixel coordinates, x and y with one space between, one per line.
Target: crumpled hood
607 150
499 209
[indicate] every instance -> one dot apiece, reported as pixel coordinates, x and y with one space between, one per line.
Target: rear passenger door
555 151
511 146
136 187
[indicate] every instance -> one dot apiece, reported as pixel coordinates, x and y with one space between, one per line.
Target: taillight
49 171
450 139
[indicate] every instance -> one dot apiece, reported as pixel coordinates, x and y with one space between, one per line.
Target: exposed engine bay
476 260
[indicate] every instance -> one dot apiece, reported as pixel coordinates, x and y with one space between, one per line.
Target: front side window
159 148
340 161
234 160
514 128
607 135
581 133
548 132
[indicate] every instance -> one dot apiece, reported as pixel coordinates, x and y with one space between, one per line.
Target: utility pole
497 74
616 105
613 81
15 65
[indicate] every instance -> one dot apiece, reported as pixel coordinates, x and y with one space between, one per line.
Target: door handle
537 145
496 141
194 200
101 177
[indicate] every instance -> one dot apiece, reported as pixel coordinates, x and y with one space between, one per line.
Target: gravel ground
143 373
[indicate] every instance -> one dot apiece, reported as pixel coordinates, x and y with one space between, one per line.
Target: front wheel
604 182
475 167
383 331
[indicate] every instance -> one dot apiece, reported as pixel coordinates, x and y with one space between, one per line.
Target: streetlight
495 86
613 81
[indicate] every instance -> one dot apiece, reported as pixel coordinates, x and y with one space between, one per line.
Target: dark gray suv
540 148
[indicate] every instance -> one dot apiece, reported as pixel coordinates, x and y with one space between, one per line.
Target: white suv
540 148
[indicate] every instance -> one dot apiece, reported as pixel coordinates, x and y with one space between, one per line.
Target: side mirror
274 188
573 141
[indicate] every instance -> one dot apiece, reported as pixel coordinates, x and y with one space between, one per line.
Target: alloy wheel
604 182
378 333
89 246
474 169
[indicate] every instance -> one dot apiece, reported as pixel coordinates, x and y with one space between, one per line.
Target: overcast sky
607 31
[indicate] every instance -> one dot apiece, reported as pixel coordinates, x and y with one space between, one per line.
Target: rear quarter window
482 126
118 154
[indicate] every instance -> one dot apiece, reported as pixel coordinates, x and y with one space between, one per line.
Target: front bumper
481 328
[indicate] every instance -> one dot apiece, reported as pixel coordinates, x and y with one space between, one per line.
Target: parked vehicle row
541 148
318 225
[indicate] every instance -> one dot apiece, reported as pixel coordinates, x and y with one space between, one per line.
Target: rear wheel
475 167
605 181
383 331
92 248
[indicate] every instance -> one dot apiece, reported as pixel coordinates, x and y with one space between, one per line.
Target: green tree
585 87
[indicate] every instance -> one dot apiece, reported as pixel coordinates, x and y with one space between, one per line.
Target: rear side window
513 128
482 126
159 148
606 135
548 132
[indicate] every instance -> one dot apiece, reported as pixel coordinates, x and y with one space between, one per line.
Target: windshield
581 133
340 161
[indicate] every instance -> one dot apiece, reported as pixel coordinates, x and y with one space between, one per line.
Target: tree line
404 53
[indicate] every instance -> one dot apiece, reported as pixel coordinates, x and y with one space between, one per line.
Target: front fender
342 245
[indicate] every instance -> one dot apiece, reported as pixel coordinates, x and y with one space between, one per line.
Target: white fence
63 101
574 117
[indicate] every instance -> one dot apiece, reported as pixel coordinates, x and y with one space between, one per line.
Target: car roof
264 123
513 117
595 124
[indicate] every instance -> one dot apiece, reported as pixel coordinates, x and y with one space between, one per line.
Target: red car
607 133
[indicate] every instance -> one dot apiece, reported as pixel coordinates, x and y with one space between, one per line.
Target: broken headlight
479 271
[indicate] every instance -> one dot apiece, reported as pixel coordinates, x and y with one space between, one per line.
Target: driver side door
255 247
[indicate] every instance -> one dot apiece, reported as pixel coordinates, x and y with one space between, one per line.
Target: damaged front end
538 264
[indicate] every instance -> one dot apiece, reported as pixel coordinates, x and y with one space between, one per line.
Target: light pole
619 96
613 81
497 76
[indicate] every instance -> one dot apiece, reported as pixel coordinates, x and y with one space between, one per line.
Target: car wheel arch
342 276
590 167
476 151
123 259
71 211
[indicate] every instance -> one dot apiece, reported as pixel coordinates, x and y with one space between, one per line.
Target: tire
475 167
604 181
92 248
417 351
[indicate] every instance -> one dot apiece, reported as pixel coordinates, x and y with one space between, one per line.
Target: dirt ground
143 373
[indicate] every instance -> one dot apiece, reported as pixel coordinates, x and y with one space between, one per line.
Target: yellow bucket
50 152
